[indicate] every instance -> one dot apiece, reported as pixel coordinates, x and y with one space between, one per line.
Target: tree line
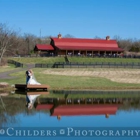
14 44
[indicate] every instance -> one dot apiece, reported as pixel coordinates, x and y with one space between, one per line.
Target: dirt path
6 74
117 75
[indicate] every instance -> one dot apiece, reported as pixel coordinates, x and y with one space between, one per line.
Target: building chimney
107 37
59 36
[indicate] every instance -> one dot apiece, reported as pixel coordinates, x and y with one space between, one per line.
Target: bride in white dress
32 80
32 98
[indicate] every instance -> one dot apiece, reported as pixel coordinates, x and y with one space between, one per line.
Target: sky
78 18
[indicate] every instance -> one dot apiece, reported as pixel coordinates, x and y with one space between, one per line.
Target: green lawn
6 68
103 60
70 82
52 60
40 60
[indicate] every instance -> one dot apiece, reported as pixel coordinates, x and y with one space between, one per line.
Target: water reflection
10 109
65 106
30 100
89 106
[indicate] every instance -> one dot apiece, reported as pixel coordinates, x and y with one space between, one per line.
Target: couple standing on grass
30 80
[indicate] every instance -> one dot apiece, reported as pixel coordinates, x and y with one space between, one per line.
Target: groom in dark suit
27 76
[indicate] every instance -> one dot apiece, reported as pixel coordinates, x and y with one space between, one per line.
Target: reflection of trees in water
130 104
125 104
5 118
13 106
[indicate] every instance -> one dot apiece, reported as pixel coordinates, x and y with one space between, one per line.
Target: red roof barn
80 46
43 49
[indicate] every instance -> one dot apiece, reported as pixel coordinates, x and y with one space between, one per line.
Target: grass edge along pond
61 82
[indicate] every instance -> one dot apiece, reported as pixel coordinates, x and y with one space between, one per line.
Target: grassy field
79 78
40 60
103 60
52 60
58 79
6 68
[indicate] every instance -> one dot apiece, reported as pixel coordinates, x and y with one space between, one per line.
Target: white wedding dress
32 81
32 99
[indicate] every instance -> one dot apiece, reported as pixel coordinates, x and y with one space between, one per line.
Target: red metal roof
44 47
85 44
71 110
83 40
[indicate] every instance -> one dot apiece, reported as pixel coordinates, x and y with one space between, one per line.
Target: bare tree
97 37
69 36
7 38
30 40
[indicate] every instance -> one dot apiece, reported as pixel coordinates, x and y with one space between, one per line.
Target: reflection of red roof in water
71 110
44 106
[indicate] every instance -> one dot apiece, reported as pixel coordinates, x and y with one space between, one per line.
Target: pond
70 118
